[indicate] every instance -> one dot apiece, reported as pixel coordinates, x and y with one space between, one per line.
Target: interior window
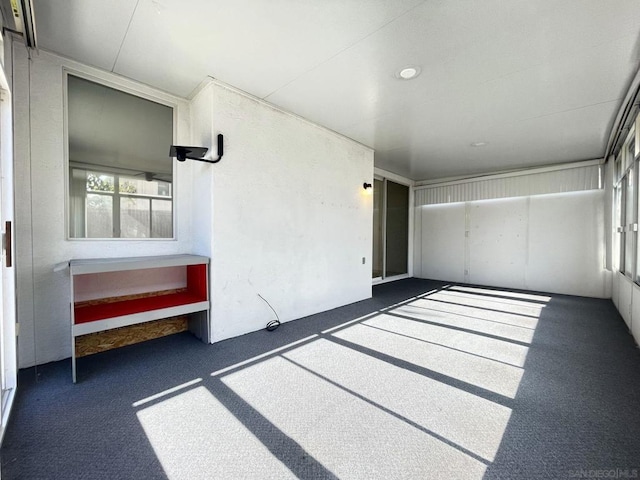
120 173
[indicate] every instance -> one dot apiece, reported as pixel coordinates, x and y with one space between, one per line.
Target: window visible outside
118 206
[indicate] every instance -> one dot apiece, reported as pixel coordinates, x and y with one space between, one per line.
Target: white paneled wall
635 314
440 242
627 302
631 305
615 290
497 242
552 243
539 181
566 244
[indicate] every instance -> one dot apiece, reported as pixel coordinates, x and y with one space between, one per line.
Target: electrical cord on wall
273 324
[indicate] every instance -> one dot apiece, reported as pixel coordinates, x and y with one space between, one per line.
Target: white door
8 347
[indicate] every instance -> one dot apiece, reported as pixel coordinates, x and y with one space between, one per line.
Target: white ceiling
539 81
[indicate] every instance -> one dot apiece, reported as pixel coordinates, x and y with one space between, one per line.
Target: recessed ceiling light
408 72
479 144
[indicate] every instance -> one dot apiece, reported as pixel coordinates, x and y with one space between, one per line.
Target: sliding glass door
378 229
390 229
8 347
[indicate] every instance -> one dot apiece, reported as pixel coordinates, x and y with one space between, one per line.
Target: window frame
619 213
633 159
630 220
117 196
386 177
124 87
626 168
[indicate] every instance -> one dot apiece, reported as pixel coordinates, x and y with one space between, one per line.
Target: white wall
553 243
498 242
283 214
566 244
92 286
201 182
440 242
41 233
626 294
291 221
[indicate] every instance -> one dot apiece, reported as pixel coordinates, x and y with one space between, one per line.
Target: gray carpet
425 380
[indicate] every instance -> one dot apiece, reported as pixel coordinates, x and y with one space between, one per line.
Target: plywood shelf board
119 337
135 318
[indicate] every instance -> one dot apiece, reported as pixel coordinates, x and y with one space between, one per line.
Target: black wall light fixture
196 153
366 185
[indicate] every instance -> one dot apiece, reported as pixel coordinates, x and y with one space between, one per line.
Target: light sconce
366 185
196 153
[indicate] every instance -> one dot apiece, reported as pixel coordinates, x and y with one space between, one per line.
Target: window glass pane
635 219
98 182
118 143
378 212
135 217
629 220
140 186
397 229
623 192
629 210
625 158
99 221
618 222
628 253
161 218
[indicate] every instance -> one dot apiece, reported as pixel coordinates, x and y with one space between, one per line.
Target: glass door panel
397 229
390 229
8 354
378 228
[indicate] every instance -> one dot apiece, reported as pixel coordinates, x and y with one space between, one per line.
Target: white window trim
125 87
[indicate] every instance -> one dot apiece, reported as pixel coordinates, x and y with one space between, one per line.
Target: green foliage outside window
104 183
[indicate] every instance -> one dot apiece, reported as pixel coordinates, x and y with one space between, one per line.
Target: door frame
8 325
384 176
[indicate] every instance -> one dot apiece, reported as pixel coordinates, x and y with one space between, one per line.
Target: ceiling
538 81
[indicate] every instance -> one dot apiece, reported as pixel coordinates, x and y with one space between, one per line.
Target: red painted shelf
97 310
91 313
